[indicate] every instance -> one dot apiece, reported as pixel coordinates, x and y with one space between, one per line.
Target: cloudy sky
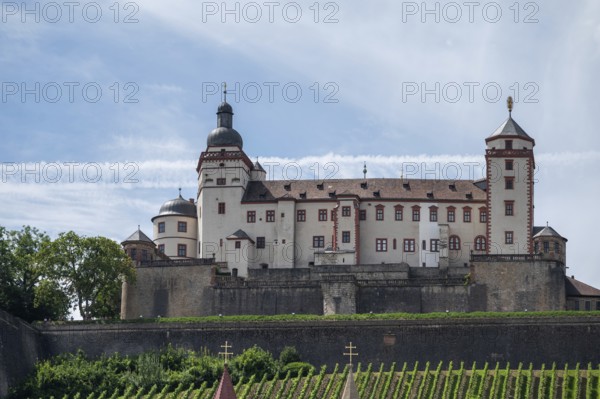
105 106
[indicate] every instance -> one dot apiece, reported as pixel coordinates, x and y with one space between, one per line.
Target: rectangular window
409 245
221 208
332 214
546 247
508 144
221 181
346 211
322 215
251 217
238 244
398 214
379 214
508 164
362 214
416 214
301 215
434 245
597 305
508 237
483 215
260 242
318 242
509 183
181 250
467 215
508 208
182 227
535 248
588 305
345 237
433 214
270 217
133 253
161 227
556 248
381 244
451 216
161 248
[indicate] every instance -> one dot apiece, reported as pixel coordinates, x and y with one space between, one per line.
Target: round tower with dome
176 228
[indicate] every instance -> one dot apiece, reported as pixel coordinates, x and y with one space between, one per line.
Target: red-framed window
346 211
251 217
301 215
454 243
381 244
270 216
322 215
409 245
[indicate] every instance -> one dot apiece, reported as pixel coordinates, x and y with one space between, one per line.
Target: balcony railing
506 258
178 262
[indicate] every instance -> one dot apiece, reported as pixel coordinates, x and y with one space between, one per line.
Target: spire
350 391
180 192
225 111
509 104
365 170
225 389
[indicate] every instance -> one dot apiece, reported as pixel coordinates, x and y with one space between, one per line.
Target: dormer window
452 187
376 194
469 196
287 187
363 185
332 194
430 194
320 186
303 195
406 186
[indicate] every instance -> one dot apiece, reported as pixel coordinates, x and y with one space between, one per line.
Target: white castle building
246 221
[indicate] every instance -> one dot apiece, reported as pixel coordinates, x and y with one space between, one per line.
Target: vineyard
433 381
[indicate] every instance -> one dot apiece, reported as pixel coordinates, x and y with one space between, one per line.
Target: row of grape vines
428 381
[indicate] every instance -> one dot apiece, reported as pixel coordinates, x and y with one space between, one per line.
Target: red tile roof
369 189
577 288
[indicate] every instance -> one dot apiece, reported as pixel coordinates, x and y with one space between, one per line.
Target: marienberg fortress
249 245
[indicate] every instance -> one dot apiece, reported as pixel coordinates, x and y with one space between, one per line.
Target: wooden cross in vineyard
350 352
226 354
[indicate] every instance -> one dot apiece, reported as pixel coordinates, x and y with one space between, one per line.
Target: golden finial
226 354
509 104
350 353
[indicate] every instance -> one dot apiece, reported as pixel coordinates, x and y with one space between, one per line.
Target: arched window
454 243
480 244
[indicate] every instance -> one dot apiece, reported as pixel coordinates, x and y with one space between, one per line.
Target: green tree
90 270
253 361
289 354
24 290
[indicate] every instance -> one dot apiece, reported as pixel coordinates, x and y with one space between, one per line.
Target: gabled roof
373 189
350 391
139 235
225 389
510 128
577 288
545 231
240 235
